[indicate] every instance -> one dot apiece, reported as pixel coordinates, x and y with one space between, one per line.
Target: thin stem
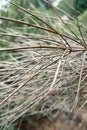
42 47
35 26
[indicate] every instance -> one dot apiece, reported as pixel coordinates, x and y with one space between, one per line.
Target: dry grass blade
43 72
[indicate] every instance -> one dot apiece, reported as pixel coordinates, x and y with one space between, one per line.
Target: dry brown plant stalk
44 72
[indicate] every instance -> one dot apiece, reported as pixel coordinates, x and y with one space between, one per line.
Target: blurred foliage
11 11
40 3
83 17
70 6
11 128
67 6
38 7
81 5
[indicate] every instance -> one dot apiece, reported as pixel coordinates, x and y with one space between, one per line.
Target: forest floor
63 122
